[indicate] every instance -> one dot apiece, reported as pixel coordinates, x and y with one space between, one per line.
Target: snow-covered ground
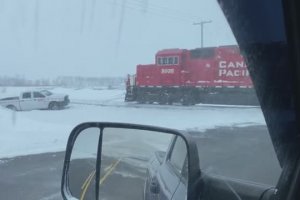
39 131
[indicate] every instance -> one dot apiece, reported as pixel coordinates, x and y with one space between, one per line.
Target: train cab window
165 61
159 61
176 60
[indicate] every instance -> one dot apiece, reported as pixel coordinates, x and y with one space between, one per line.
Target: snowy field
40 131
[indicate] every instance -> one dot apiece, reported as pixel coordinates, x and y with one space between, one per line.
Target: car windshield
173 64
46 92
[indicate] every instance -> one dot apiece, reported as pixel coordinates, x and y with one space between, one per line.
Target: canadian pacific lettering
232 69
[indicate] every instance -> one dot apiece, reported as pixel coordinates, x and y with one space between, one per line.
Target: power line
151 10
163 8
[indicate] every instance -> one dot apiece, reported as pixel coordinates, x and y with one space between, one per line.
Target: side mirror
127 161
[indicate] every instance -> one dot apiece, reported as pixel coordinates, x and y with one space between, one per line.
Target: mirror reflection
82 167
141 164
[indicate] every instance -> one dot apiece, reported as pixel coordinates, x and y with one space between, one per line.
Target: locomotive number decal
167 71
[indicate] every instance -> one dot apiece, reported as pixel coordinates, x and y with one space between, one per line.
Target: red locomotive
202 75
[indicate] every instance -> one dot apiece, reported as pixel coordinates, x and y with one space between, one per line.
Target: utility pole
201 23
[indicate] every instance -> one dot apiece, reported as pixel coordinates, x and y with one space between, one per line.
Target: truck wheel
11 107
53 106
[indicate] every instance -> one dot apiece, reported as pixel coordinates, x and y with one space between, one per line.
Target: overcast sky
49 38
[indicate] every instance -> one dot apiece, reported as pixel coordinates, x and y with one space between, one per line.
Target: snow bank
40 131
22 136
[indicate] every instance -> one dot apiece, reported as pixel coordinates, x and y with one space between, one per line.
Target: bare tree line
64 81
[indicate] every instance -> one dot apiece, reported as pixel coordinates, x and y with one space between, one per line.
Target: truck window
170 61
38 95
26 95
178 154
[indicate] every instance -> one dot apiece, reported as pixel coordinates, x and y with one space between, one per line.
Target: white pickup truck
36 100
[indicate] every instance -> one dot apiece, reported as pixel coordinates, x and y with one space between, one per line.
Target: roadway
238 152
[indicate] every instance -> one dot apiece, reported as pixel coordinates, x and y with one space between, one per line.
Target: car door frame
277 81
289 182
181 190
173 173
